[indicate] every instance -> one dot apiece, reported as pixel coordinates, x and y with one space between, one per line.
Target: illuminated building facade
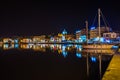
70 37
111 35
64 33
55 39
26 40
8 40
94 31
80 33
38 39
60 36
81 36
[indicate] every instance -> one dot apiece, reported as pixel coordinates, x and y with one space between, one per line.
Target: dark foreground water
52 62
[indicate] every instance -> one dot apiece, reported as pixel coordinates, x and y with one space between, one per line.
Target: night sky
37 18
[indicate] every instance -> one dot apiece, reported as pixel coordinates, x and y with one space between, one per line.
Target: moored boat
96 45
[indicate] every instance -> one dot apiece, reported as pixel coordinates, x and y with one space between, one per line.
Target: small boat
96 45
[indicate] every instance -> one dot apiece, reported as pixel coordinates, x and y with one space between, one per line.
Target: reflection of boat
1 43
97 45
104 51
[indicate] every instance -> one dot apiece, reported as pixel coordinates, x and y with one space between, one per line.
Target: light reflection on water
60 48
92 58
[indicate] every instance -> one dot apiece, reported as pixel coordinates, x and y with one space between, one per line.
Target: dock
113 70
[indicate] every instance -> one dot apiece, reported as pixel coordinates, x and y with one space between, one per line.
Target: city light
92 28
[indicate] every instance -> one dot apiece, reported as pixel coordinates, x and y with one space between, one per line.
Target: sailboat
96 45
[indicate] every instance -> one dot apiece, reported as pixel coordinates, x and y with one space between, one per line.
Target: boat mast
99 23
86 31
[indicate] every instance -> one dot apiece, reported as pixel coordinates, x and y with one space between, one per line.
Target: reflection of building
64 52
39 48
25 46
78 48
8 46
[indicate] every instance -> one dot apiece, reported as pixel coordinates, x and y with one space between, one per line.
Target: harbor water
52 62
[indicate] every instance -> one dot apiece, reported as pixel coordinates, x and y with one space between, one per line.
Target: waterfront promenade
113 70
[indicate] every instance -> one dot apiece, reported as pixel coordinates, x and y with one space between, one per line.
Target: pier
113 70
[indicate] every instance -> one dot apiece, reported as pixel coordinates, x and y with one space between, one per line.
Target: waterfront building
64 33
94 31
55 39
38 39
70 37
111 35
8 40
26 40
60 37
80 33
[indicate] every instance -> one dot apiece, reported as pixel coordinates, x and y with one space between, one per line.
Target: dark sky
37 18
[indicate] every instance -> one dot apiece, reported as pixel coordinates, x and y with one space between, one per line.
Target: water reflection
8 46
60 48
79 55
91 56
